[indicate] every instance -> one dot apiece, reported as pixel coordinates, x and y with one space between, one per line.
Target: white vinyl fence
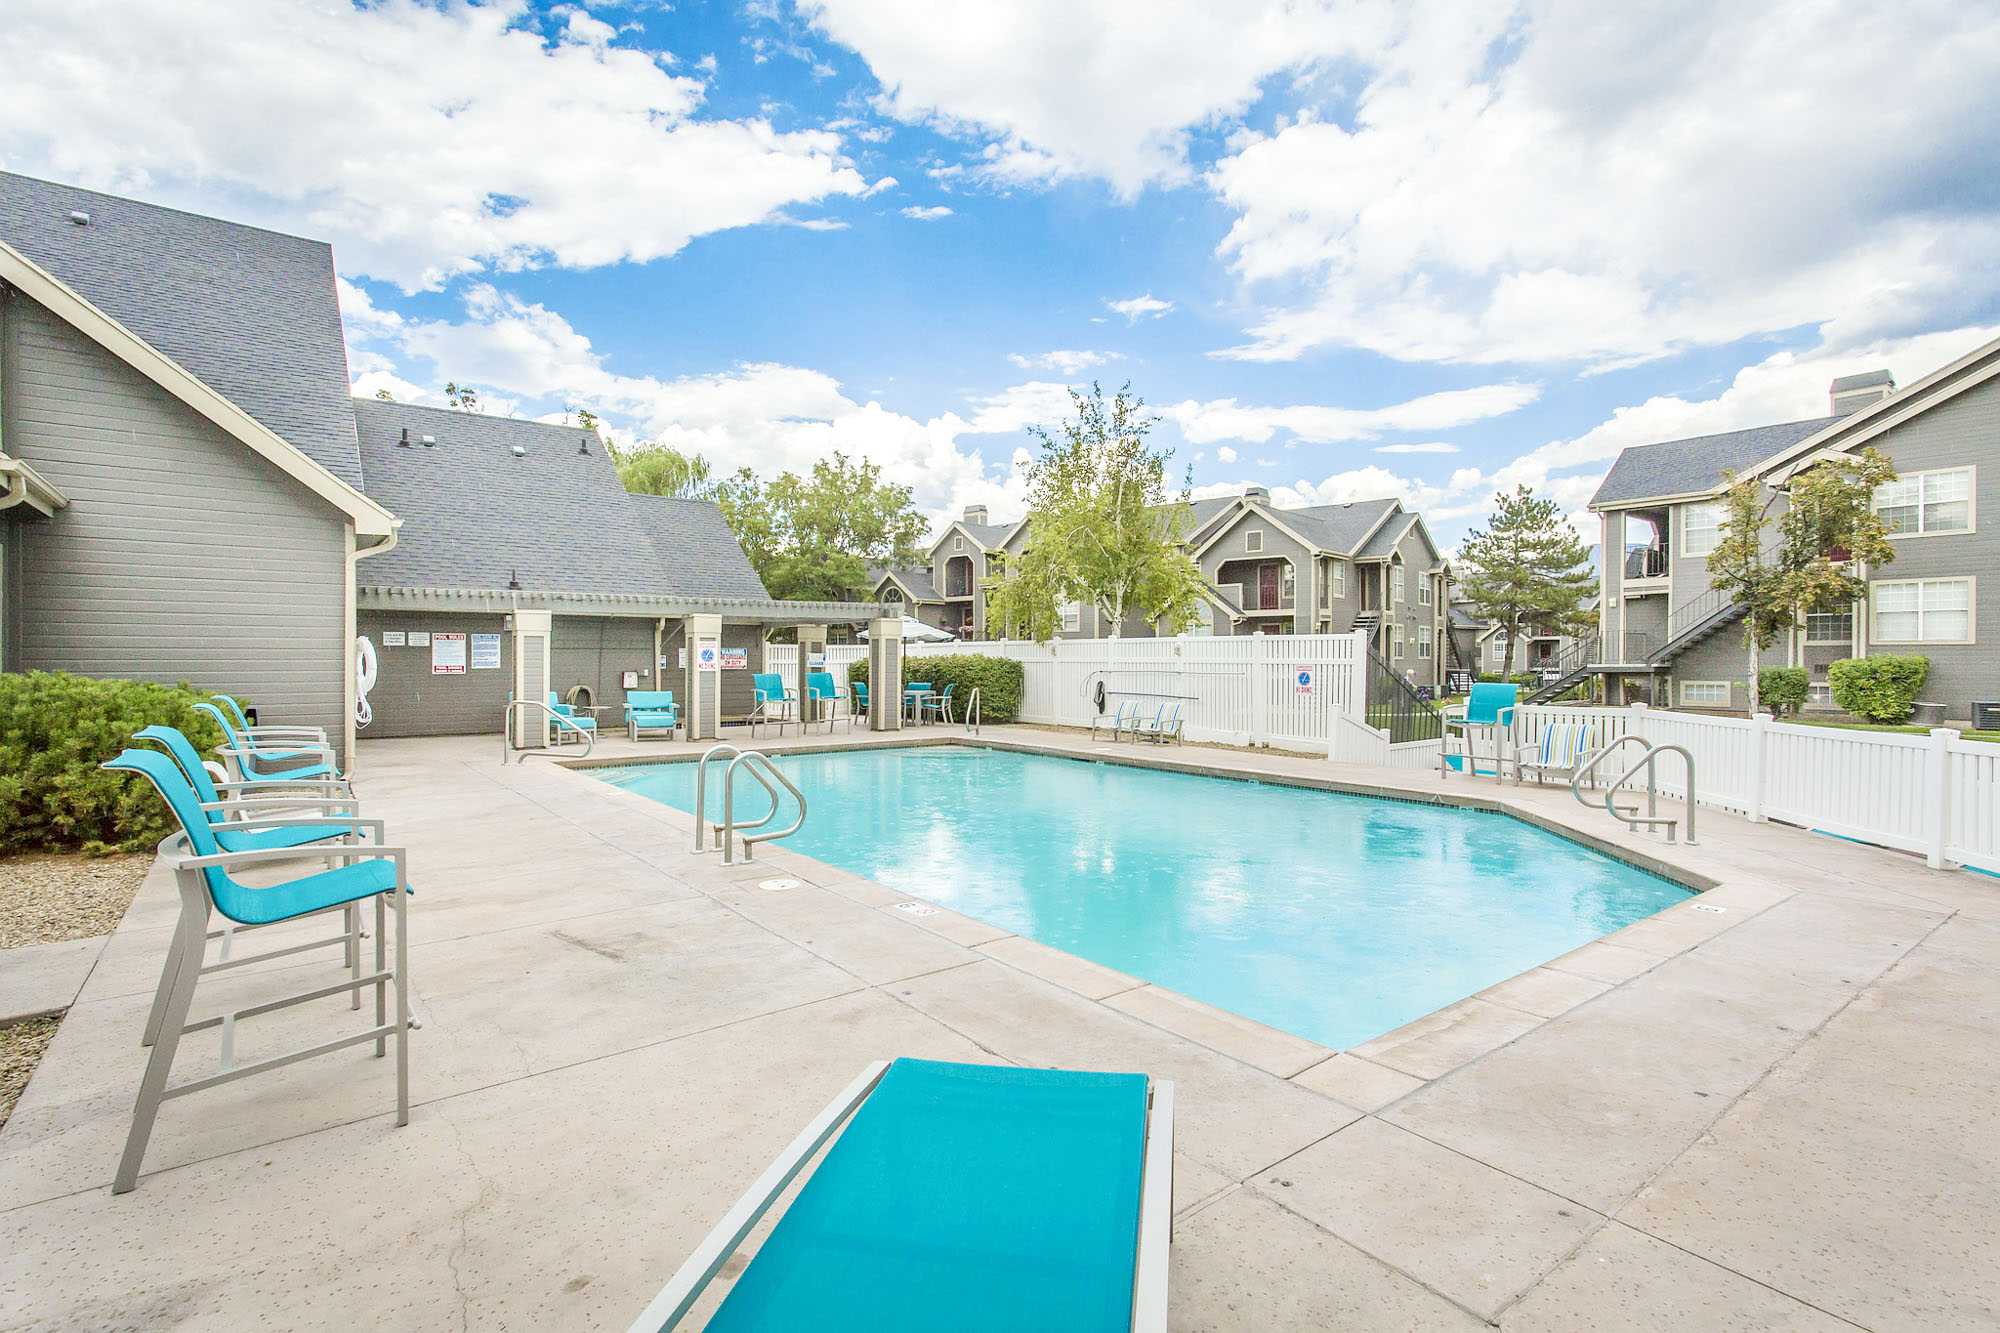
1295 691
1936 794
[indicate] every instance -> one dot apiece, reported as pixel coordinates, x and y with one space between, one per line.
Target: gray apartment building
1670 639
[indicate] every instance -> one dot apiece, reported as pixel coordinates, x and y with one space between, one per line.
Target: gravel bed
44 899
21 1048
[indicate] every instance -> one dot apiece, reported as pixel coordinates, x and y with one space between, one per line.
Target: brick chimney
1851 393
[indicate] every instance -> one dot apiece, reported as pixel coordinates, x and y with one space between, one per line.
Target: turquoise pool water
1333 917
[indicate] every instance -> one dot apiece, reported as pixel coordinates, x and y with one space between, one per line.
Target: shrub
998 680
1880 688
55 729
1782 689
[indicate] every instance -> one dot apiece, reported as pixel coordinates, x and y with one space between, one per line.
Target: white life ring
364 679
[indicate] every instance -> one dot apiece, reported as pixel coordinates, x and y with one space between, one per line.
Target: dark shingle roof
476 515
250 313
1683 467
988 535
918 581
1338 528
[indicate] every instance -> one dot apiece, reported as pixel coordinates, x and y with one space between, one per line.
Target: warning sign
1302 680
735 659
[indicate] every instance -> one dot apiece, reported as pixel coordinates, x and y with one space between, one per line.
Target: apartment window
1253 540
1830 627
1705 693
1396 649
1701 528
1423 592
892 595
1923 611
1340 578
1399 582
1325 583
1927 502
958 543
1819 694
1288 585
1072 617
1423 641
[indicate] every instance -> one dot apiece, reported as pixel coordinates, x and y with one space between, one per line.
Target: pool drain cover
1704 907
917 909
777 885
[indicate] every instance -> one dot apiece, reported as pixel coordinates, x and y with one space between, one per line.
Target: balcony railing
1645 562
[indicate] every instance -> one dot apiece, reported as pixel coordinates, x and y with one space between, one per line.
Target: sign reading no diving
1302 680
707 655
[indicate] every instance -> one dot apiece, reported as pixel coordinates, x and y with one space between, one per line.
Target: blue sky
1345 249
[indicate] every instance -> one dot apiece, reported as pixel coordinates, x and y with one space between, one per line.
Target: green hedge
1782 689
1881 688
999 680
55 729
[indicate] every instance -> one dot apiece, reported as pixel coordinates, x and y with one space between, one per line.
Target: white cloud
423 140
1058 89
1225 419
1066 361
1141 307
765 416
1629 181
1434 447
1226 454
931 213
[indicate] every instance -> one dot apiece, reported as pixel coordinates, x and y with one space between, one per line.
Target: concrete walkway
1778 1114
41 979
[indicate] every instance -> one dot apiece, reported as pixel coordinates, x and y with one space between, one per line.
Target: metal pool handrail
1651 817
761 768
973 714
507 732
701 787
1586 769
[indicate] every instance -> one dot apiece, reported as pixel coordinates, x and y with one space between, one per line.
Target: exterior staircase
1698 622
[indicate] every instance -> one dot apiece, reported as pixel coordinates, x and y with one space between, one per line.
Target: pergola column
885 674
704 677
812 645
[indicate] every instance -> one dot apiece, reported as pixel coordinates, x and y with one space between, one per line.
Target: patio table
914 695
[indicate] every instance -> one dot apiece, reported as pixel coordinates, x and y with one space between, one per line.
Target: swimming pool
1333 917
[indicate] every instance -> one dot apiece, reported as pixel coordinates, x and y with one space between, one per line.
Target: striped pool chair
1564 747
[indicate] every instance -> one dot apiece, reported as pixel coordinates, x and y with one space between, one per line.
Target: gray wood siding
182 555
409 701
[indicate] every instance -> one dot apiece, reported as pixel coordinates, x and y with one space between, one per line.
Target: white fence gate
1936 794
1295 691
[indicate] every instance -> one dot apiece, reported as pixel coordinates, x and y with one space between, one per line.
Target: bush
999 680
1782 689
1881 688
55 729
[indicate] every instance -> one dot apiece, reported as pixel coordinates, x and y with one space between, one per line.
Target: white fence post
1260 690
1937 796
1760 746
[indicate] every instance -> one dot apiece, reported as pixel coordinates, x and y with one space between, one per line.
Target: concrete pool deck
1779 1114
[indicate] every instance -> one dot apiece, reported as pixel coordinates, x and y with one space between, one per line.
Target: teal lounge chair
245 755
568 724
823 694
650 710
969 1198
363 872
1487 716
772 702
266 733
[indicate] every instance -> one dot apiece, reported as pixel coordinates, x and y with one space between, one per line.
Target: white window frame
1424 591
1847 615
1819 693
1288 584
958 543
1340 578
892 594
1398 583
1728 694
1875 634
1072 617
1396 649
1921 480
1423 641
1253 540
1687 543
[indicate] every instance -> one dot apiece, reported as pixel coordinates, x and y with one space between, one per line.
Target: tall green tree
657 469
1102 527
1790 549
817 537
461 396
1527 569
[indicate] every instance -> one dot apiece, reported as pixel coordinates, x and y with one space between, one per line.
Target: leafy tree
463 397
1527 569
817 537
1102 528
385 395
1826 529
657 469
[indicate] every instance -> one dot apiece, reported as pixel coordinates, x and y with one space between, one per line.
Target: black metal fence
1397 707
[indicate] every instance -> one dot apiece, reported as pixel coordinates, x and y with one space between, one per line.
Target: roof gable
250 313
1695 466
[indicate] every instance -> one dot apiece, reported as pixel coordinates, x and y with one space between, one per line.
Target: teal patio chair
823 696
363 871
859 690
245 755
568 724
266 732
936 704
772 702
650 710
1487 714
975 1198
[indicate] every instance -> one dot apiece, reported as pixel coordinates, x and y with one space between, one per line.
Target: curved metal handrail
974 715
507 746
1584 770
701 788
1646 761
757 760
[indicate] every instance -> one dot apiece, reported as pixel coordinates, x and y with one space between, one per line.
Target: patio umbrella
917 630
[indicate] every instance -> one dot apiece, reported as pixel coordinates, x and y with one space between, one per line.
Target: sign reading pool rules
447 654
707 655
1302 680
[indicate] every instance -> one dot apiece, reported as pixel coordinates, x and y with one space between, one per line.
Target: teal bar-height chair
1486 715
823 697
265 733
772 702
251 760
362 871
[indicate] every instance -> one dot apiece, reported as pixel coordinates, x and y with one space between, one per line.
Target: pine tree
1527 569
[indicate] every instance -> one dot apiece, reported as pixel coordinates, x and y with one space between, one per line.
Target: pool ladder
553 718
1648 760
972 712
759 766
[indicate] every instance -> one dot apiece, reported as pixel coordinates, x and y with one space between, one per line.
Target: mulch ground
44 899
